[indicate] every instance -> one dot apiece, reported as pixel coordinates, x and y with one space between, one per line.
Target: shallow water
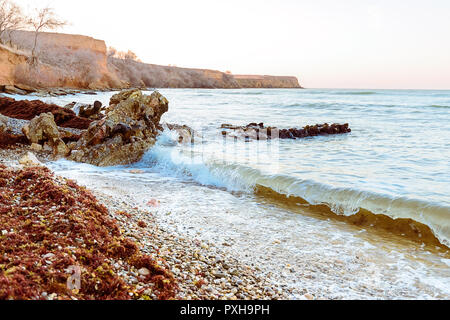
395 162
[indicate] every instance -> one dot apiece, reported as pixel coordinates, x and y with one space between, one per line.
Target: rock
12 90
48 256
26 88
70 105
36 147
307 297
87 111
52 296
26 130
186 134
255 131
127 131
3 123
144 272
68 136
47 147
71 145
43 129
218 274
30 160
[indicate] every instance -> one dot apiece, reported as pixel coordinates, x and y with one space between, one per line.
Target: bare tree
112 52
45 19
130 55
11 18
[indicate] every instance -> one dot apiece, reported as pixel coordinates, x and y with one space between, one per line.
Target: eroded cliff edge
75 61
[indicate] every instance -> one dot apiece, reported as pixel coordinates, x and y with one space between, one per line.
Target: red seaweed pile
9 140
49 225
27 110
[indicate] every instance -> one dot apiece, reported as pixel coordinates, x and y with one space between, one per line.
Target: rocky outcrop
127 131
256 131
42 130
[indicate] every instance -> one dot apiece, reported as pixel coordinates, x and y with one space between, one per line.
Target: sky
394 44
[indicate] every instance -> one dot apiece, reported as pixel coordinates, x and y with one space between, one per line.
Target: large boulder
127 131
43 130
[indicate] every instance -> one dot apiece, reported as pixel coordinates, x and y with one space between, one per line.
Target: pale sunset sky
393 44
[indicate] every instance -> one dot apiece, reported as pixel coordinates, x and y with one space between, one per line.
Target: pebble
144 272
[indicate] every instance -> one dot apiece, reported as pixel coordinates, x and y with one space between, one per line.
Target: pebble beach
203 271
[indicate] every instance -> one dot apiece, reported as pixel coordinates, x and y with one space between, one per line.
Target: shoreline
68 91
203 271
236 251
225 266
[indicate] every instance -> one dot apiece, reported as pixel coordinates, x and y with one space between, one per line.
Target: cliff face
251 81
138 74
25 39
77 61
65 61
8 62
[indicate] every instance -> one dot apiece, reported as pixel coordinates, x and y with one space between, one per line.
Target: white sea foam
170 160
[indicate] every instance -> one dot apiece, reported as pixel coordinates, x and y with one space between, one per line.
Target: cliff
253 81
138 74
24 40
8 62
75 61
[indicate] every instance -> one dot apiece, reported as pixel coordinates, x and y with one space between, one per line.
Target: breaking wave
420 216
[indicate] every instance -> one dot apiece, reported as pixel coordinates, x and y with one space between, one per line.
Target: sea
362 215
